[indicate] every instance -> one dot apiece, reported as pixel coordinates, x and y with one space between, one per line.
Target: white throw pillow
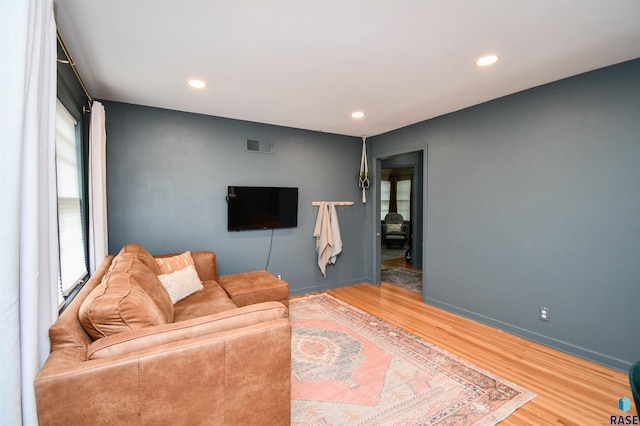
181 283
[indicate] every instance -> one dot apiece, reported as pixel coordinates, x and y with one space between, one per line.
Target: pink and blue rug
352 368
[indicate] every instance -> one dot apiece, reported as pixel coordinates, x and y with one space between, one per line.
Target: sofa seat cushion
129 297
212 299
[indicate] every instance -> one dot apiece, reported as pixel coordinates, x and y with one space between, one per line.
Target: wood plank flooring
570 390
397 263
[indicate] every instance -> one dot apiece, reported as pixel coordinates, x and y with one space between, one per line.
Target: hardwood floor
570 390
397 263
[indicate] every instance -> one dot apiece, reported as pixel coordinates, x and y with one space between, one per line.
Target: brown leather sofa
123 354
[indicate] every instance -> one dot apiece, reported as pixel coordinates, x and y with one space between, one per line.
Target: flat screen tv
260 207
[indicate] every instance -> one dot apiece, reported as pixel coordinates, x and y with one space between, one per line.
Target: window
403 196
385 197
71 234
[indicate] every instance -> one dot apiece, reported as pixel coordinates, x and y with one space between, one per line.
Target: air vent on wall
260 146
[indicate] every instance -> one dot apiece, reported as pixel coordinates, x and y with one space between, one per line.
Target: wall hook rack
337 203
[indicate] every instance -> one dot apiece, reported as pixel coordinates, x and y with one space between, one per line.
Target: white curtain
28 226
98 240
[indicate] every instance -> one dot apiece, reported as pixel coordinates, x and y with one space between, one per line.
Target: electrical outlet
544 314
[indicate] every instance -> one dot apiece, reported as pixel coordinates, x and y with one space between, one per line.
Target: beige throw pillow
181 283
394 227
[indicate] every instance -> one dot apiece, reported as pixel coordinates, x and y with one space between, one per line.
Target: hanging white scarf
324 237
335 233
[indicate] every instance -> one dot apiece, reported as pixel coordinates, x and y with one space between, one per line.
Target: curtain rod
75 70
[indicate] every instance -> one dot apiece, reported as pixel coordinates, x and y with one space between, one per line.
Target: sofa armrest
210 379
149 337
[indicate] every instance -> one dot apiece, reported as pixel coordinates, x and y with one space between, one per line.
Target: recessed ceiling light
197 84
487 60
358 114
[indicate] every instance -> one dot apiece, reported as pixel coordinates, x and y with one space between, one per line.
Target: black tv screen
260 207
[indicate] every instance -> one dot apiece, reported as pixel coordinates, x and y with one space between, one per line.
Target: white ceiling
310 64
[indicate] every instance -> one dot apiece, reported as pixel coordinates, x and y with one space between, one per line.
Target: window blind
404 198
385 196
71 235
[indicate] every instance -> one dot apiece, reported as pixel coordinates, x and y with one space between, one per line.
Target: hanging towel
335 233
324 238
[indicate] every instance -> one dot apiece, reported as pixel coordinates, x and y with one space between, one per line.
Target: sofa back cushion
143 255
129 297
130 263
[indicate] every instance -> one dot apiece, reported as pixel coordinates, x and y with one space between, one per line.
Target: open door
400 188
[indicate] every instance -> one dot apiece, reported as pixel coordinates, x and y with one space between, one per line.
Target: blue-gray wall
530 200
167 177
534 200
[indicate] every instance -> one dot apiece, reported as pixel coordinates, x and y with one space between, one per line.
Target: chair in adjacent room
634 381
395 230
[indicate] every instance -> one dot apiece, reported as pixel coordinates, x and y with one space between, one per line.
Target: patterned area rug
403 277
352 368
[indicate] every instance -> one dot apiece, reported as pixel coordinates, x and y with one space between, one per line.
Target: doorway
400 192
